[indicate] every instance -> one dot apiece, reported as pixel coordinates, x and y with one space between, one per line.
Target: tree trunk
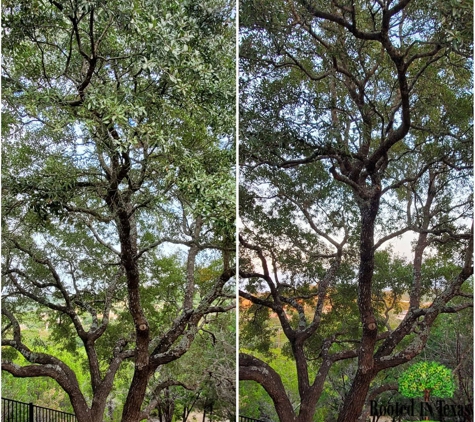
170 406
426 400
415 294
356 397
355 400
128 241
136 395
83 415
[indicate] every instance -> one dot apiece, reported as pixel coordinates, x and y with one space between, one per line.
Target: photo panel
356 210
118 210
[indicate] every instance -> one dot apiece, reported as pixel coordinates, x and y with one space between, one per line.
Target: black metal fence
246 419
17 411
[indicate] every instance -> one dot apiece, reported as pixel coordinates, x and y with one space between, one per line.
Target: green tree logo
425 379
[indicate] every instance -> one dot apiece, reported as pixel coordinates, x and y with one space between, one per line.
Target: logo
439 410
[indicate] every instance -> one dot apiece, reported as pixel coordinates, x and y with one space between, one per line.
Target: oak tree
117 151
356 129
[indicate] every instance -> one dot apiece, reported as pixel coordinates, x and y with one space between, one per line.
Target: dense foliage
118 192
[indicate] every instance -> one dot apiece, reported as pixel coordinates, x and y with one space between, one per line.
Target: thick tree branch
253 369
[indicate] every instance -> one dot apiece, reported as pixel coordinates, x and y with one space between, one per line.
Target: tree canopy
118 191
356 129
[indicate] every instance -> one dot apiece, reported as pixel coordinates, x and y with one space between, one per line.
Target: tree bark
415 294
251 368
356 397
365 373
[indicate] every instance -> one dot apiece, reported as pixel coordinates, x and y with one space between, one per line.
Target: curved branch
320 14
253 369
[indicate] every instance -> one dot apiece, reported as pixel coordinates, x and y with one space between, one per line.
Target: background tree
206 374
356 128
117 144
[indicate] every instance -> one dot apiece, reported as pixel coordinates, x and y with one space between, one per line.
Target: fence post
30 412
